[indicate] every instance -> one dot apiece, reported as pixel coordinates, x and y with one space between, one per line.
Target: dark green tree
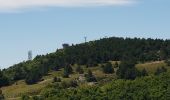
3 79
90 77
127 70
116 65
108 68
67 71
33 76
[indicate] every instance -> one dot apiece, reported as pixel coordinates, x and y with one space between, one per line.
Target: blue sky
43 28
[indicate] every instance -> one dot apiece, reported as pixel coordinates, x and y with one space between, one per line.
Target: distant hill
89 54
94 68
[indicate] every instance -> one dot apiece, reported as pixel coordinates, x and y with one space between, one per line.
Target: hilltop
97 63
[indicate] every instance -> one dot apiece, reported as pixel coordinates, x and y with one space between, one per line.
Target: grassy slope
14 91
151 67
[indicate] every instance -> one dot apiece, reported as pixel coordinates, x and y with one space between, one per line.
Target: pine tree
108 68
67 71
90 77
116 65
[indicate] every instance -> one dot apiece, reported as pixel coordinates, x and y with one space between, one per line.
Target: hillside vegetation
74 69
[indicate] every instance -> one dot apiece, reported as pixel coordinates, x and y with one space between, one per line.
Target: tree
80 70
108 68
90 77
1 95
116 65
127 70
65 74
67 71
33 76
3 79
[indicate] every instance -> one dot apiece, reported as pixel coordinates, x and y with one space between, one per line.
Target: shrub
167 62
90 77
144 72
55 79
160 70
25 97
1 95
67 70
79 70
127 70
108 68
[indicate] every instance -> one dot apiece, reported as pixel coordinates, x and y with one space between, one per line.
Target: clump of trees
3 79
108 68
33 76
127 70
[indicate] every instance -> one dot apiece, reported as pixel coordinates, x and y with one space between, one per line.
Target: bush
37 98
160 70
79 70
55 79
108 68
167 62
25 97
67 71
68 84
144 72
90 77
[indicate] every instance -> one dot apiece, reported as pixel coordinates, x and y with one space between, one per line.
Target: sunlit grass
151 67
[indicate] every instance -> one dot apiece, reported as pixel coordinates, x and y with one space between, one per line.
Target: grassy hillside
89 54
96 58
151 67
20 87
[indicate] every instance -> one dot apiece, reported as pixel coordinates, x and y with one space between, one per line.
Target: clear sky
43 25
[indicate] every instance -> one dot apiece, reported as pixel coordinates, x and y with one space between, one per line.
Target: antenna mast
30 55
85 38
